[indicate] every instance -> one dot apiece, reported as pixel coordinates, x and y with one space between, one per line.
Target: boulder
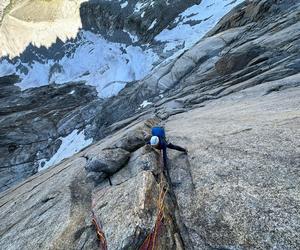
144 159
134 139
108 158
107 161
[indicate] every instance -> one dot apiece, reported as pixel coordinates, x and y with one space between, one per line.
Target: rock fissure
165 214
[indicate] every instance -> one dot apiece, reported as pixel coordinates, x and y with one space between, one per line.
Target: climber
158 141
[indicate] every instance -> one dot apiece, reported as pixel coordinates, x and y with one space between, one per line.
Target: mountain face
32 120
108 52
37 22
143 19
229 92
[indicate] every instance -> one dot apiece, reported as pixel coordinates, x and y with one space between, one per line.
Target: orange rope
151 240
100 233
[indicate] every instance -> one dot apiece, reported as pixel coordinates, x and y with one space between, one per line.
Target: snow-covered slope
52 120
106 65
110 65
194 23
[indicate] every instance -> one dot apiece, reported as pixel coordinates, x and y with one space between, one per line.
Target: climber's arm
175 147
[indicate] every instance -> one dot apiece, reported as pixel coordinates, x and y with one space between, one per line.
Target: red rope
152 239
100 233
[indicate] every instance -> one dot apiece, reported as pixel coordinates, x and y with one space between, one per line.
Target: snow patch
145 104
134 38
109 66
6 68
152 24
123 5
71 144
139 6
194 23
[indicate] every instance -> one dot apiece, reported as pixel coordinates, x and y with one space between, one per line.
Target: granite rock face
232 100
261 50
62 201
67 200
239 187
41 140
32 122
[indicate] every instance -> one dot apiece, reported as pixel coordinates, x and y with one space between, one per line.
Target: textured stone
239 186
51 210
132 216
110 19
107 161
144 159
126 212
32 121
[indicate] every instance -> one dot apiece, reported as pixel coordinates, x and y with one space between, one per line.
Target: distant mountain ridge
176 27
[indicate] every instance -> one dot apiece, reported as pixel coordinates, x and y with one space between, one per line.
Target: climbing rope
152 239
100 233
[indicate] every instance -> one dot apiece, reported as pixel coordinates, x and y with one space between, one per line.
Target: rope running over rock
152 239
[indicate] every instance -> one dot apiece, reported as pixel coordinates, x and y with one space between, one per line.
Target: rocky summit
223 79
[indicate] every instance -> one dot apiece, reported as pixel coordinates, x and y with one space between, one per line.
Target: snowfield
195 22
109 66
